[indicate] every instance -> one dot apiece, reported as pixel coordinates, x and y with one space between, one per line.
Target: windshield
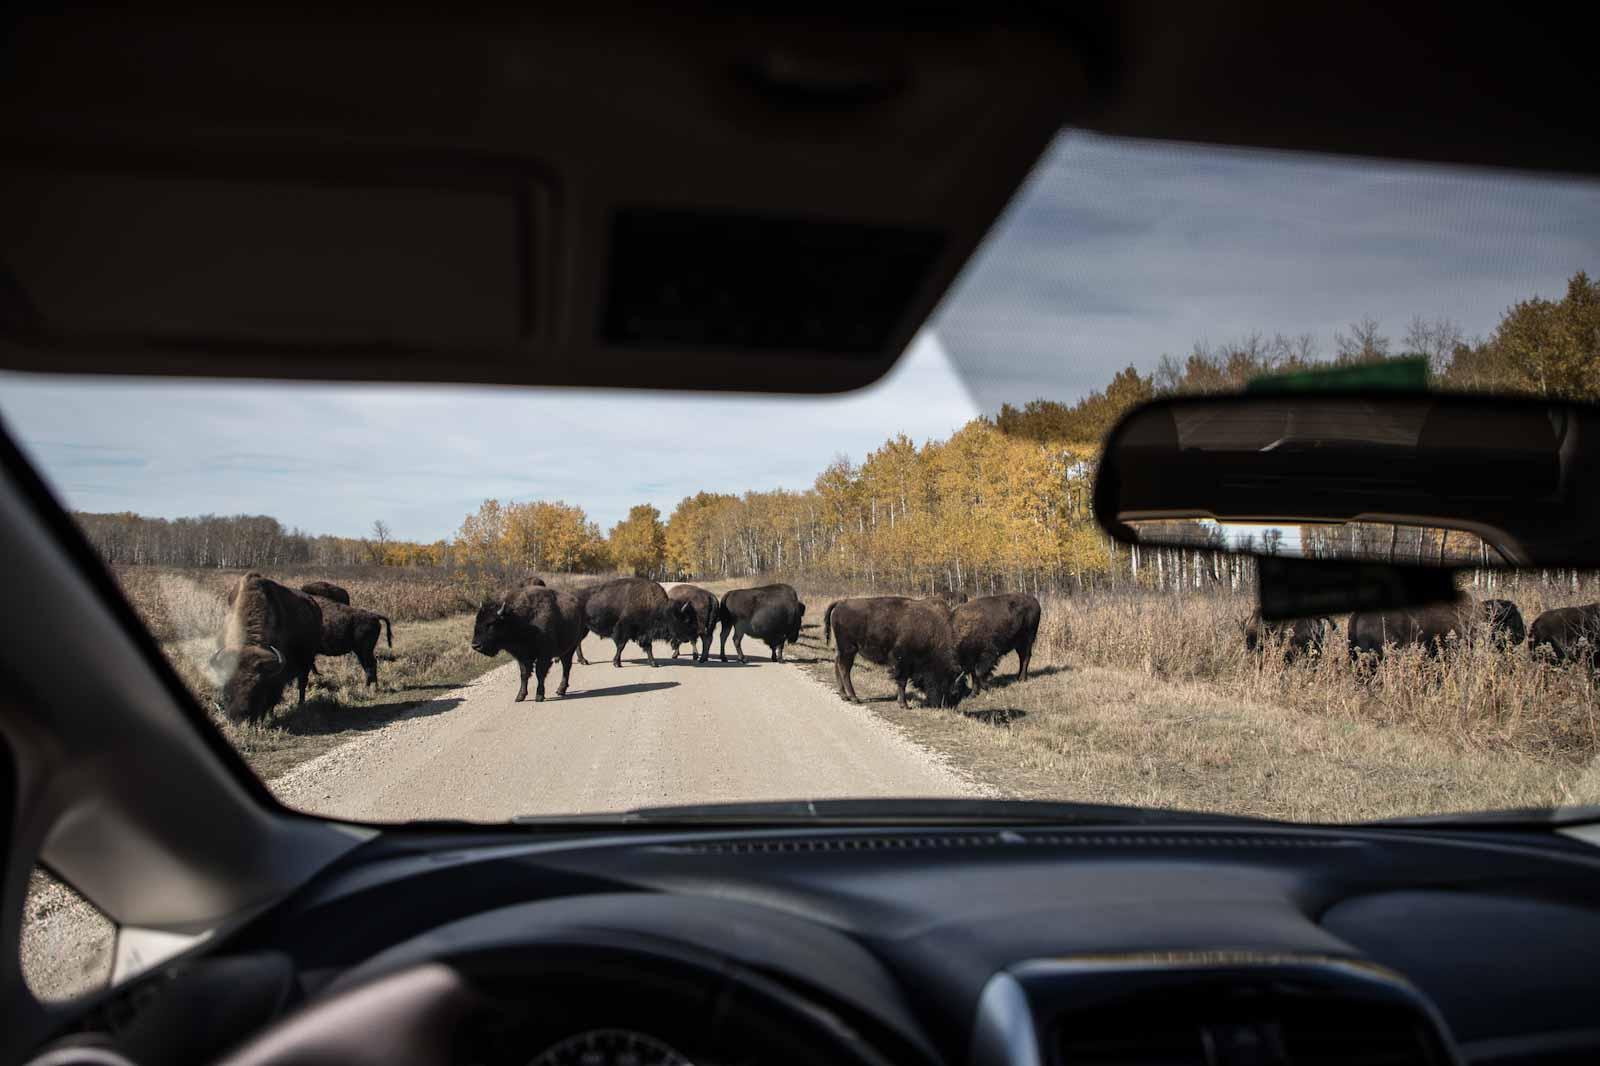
409 602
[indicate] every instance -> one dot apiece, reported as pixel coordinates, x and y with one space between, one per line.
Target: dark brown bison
771 613
628 608
1293 637
914 638
698 624
1430 627
1568 634
327 590
990 627
271 636
537 626
353 631
1505 621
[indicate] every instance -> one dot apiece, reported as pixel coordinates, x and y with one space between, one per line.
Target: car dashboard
915 946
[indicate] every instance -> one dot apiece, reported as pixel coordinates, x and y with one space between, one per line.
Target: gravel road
620 738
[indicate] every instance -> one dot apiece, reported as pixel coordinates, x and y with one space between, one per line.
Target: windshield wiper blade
865 812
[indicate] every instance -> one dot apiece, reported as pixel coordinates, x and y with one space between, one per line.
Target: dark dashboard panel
898 934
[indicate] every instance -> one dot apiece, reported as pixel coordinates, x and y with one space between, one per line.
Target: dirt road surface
621 738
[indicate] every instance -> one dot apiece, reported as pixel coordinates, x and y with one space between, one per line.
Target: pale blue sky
1115 253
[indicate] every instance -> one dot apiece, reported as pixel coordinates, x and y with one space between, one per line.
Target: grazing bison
1299 636
1571 634
1430 627
698 624
270 637
628 608
1505 621
537 625
353 631
990 627
327 590
771 614
913 638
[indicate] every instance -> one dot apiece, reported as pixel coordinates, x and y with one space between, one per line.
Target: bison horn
502 611
279 655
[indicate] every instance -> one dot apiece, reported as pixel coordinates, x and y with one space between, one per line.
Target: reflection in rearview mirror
1405 478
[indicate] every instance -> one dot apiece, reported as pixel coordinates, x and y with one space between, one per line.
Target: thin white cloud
331 459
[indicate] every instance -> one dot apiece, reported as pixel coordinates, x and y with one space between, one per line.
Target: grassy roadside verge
1106 734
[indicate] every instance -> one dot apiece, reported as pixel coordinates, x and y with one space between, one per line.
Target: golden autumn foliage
541 536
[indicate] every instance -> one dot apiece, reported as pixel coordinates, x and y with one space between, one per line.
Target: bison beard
914 638
537 626
270 637
771 614
990 627
695 619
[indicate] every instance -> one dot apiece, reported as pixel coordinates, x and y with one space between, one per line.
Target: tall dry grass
1477 693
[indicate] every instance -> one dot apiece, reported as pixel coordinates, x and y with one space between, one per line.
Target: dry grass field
1154 701
432 621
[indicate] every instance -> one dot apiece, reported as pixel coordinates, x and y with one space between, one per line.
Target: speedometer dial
610 1047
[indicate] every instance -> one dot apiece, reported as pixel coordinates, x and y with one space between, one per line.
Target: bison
1504 620
771 614
698 624
1429 627
270 637
914 638
1294 637
327 590
990 627
537 625
353 630
1571 634
628 608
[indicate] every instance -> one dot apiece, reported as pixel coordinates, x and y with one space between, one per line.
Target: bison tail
388 629
827 623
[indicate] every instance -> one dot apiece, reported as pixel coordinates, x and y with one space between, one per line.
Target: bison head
681 620
252 680
943 684
492 628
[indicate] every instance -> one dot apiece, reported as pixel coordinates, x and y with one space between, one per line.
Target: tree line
1002 503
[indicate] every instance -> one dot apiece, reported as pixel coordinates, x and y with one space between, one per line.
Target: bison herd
1565 634
943 646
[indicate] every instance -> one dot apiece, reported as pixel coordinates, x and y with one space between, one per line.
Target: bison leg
541 668
674 649
738 641
369 663
566 673
842 665
648 654
581 660
523 668
305 679
1024 657
616 660
705 650
725 627
900 684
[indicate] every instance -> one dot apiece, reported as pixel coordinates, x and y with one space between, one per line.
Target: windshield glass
378 546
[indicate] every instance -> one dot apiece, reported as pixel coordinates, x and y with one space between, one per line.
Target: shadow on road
614 690
317 717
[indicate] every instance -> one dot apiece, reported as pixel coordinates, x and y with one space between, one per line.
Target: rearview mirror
1405 478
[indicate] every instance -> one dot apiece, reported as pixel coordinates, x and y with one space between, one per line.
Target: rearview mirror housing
1419 479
